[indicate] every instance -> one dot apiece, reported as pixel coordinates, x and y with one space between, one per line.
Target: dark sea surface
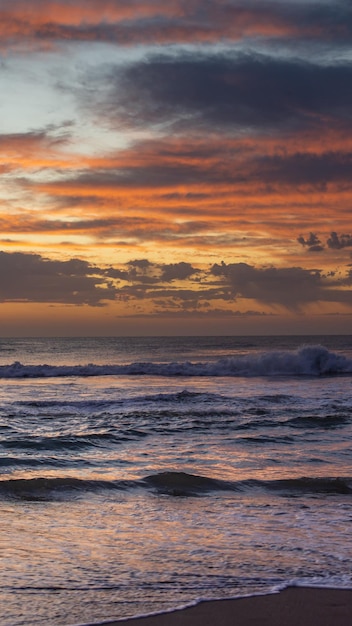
141 474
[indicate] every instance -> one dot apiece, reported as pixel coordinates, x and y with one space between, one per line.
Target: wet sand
292 607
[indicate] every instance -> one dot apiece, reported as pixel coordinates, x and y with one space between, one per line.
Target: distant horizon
4 337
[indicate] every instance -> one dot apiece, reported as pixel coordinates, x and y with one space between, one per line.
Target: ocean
143 474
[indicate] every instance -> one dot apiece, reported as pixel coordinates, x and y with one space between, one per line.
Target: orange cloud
152 21
237 167
192 193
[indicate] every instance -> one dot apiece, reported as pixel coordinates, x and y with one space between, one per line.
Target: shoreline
306 606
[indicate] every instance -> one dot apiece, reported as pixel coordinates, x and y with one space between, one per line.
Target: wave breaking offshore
306 361
169 483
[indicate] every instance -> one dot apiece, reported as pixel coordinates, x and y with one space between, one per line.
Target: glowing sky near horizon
175 167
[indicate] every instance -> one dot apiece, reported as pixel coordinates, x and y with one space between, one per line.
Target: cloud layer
167 288
177 157
132 22
251 93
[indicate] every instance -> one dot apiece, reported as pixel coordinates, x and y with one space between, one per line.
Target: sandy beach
291 607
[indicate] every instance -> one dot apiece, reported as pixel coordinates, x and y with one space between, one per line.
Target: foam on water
307 361
169 471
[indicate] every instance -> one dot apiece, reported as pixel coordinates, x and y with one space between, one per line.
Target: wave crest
307 361
170 483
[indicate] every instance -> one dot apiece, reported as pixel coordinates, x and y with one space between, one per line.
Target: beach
144 475
291 607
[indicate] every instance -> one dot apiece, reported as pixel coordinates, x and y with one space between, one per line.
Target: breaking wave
307 361
168 483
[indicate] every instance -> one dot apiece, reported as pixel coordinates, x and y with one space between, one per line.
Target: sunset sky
175 167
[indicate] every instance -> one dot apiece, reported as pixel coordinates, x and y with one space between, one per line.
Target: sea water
142 474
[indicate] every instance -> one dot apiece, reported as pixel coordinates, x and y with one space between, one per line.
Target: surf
306 361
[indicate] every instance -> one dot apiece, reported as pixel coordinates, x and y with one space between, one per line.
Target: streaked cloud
177 158
129 22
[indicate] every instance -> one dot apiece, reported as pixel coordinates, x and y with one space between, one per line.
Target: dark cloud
32 278
322 19
313 243
148 176
198 313
306 168
177 271
142 264
182 299
291 287
235 166
143 272
220 91
336 242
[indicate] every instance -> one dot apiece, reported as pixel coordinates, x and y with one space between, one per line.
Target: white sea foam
307 361
318 583
192 488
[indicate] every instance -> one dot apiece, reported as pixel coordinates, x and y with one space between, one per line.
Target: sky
175 167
